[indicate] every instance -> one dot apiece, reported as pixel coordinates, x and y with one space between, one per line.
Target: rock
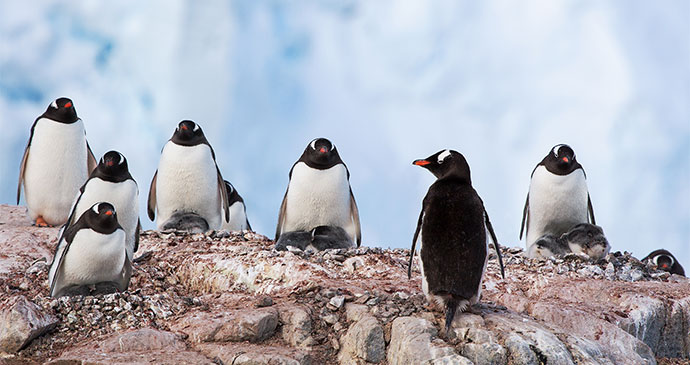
485 353
264 301
354 312
520 350
411 343
297 326
252 325
249 354
145 339
336 302
353 264
20 322
363 342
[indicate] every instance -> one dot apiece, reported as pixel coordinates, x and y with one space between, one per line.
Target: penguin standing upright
238 211
92 251
56 162
188 179
451 230
558 198
319 194
112 182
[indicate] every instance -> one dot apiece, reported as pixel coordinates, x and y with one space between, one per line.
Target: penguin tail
451 306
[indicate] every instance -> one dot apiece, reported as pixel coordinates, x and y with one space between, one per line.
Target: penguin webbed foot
40 222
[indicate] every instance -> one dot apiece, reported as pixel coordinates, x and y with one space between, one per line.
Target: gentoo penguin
558 198
549 245
318 239
92 251
238 211
453 247
319 194
188 179
189 222
588 239
57 160
665 260
112 182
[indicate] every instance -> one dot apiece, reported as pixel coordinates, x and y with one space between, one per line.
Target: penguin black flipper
490 228
152 197
225 204
22 169
525 217
281 215
64 242
136 236
354 214
590 209
414 242
91 161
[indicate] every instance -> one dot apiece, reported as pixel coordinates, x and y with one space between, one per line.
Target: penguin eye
54 104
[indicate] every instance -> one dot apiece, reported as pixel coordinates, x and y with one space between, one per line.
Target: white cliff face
231 296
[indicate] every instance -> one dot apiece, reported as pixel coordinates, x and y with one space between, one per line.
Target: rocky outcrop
230 298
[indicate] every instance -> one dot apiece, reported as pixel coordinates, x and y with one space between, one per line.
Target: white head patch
196 127
313 144
122 158
54 104
443 156
95 207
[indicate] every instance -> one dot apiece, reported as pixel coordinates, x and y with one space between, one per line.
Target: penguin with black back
91 252
319 194
111 181
188 180
558 198
238 211
665 260
57 161
451 231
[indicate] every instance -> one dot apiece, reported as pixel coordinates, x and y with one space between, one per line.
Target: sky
388 82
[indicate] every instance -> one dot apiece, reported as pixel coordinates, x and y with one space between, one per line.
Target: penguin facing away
111 181
188 179
665 260
57 161
319 194
558 198
92 251
451 232
238 211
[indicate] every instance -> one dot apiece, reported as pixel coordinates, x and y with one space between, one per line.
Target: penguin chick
588 239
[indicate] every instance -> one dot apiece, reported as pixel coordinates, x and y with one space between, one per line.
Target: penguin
92 251
188 179
588 239
558 198
186 221
319 194
549 246
112 182
238 211
56 162
318 239
451 231
665 260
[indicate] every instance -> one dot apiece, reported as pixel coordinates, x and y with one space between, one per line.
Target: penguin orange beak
69 104
664 266
323 150
184 127
108 212
565 159
421 162
109 163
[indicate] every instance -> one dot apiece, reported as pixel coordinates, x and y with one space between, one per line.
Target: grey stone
485 353
411 343
354 312
20 322
297 326
646 319
336 302
586 352
250 354
364 340
252 325
520 351
145 339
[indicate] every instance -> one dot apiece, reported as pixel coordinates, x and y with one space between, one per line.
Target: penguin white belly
318 198
55 169
238 218
188 181
556 203
124 196
94 257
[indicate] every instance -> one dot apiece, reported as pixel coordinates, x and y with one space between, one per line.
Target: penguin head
113 164
102 218
321 153
233 195
188 133
446 164
561 160
664 260
61 110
